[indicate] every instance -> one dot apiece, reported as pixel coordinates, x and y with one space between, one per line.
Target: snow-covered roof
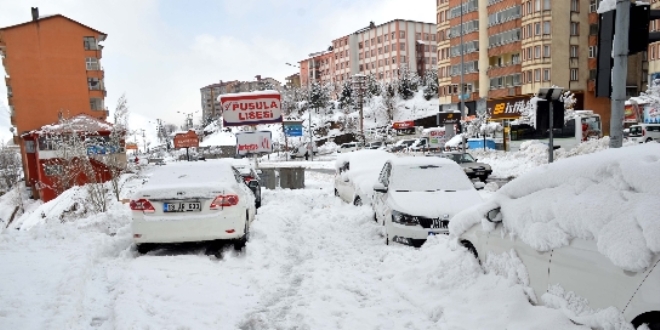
196 179
607 196
81 122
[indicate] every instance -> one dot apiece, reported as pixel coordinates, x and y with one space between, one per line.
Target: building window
593 51
96 103
529 76
546 51
652 53
546 27
366 43
402 34
537 75
593 6
537 51
537 5
574 74
380 50
402 46
537 29
573 51
92 63
575 28
90 43
529 53
592 74
546 74
403 59
393 35
546 4
95 84
373 52
393 60
361 68
360 45
575 6
529 7
593 29
380 39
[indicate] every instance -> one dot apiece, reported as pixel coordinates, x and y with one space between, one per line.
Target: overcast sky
160 53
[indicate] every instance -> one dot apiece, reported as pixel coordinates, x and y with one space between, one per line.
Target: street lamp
189 118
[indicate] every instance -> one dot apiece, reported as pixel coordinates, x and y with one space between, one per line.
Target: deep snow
313 262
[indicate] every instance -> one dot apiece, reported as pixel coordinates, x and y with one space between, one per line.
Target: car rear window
636 130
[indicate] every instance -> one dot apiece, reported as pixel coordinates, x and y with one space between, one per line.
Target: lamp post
189 118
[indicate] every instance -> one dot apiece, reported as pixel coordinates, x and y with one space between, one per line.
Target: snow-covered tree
431 84
319 96
406 85
346 97
373 87
389 99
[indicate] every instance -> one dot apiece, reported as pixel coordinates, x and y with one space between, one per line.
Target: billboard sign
251 108
508 109
293 130
186 140
254 142
449 117
398 125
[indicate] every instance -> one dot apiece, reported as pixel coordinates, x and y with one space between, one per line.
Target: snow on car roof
609 196
195 179
367 159
414 161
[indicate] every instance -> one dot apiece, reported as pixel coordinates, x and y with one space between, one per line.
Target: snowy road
313 262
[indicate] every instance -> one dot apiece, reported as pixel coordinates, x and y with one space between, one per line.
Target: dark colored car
251 178
470 166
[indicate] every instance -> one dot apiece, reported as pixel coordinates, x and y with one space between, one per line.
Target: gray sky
160 53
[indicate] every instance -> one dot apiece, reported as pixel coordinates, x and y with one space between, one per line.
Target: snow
138 125
80 122
219 139
312 262
603 196
206 179
364 169
412 173
255 93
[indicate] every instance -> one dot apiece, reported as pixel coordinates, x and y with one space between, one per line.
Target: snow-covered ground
313 262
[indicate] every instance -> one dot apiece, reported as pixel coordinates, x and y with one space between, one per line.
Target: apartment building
512 48
654 48
382 50
53 68
209 94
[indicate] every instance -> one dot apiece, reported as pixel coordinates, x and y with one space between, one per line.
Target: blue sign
293 130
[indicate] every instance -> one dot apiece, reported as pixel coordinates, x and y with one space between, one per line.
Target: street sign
293 130
254 142
251 108
186 140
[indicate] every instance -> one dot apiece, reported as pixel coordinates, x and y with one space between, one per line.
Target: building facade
382 50
211 109
512 48
654 48
53 67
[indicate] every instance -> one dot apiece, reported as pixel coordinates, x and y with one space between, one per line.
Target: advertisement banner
403 124
630 113
186 140
251 108
651 114
254 142
508 109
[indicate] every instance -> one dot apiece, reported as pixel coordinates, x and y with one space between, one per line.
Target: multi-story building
381 50
211 107
53 67
654 48
293 80
512 48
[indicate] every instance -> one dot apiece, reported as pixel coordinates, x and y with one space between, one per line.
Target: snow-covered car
455 143
349 147
192 202
402 145
300 152
417 196
374 145
356 174
472 168
584 232
250 176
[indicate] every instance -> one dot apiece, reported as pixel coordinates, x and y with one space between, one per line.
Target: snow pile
82 122
219 139
364 169
605 196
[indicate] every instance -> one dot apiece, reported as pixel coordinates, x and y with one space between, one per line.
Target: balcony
505 69
507 91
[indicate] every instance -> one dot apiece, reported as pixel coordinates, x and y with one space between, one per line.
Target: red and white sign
403 124
186 140
254 142
251 108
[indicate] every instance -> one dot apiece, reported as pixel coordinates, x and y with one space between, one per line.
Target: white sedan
417 196
191 202
356 174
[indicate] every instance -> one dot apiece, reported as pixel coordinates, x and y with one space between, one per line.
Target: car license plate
480 172
439 224
182 207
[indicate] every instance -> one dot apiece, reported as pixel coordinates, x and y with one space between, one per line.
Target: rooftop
102 35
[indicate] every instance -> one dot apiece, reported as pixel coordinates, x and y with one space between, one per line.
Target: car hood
433 204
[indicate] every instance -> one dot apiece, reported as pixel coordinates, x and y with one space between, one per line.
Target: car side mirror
253 184
494 215
379 187
479 185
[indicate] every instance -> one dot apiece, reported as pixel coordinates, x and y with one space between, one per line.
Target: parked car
472 168
417 196
192 202
251 178
350 147
579 229
643 133
356 174
402 145
374 145
300 152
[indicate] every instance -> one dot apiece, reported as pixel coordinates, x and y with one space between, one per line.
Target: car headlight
404 219
467 169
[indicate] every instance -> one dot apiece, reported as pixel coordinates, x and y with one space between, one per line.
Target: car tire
144 248
239 244
648 140
257 204
470 247
651 319
336 193
483 178
357 201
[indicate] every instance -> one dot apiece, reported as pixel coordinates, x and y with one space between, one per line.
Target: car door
346 192
379 198
245 193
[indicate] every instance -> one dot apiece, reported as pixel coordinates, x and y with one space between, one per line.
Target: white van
643 133
350 147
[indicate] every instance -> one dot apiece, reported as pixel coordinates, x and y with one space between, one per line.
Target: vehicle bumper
474 175
413 235
189 229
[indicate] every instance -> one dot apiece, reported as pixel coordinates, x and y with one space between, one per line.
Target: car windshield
428 178
463 158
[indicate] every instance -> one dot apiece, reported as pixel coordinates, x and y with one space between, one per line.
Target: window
529 7
573 51
529 30
575 6
537 75
94 84
592 74
504 15
96 103
432 37
386 49
593 6
403 59
546 74
529 76
537 29
380 50
593 51
529 53
360 56
379 39
361 67
546 4
366 43
393 35
575 28
385 37
402 46
537 5
373 52
537 51
393 60
53 170
402 34
504 38
373 41
90 43
546 51
593 29
360 45
652 53
546 27
92 63
574 74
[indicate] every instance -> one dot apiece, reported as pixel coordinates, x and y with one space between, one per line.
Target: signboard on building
186 140
651 114
254 142
131 146
448 117
403 124
509 108
253 108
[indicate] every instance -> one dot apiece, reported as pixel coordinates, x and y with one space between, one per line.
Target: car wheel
468 245
144 248
648 140
651 319
257 204
336 193
240 243
483 178
357 201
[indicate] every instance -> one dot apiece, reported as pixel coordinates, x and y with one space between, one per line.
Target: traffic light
639 39
543 115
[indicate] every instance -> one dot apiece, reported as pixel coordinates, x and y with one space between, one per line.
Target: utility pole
311 135
460 93
619 71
